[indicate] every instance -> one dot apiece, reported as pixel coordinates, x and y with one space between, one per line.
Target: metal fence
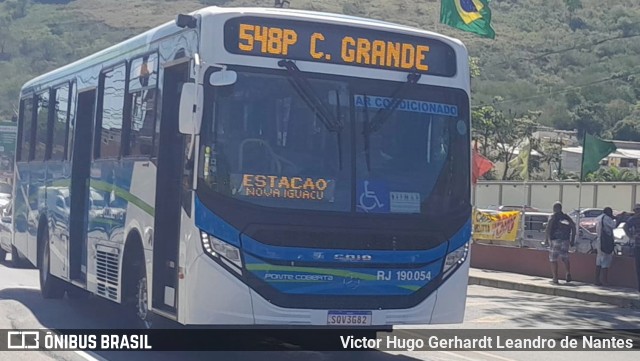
620 196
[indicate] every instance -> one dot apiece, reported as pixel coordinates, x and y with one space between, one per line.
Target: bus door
171 158
79 192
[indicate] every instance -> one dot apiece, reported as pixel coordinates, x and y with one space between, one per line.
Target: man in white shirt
604 244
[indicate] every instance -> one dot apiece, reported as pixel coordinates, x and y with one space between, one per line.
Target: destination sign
338 44
272 186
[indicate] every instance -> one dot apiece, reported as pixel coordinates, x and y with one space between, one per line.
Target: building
564 137
626 156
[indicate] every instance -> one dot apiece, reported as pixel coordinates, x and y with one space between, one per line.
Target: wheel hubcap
142 308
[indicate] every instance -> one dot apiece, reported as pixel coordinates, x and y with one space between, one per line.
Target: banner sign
493 226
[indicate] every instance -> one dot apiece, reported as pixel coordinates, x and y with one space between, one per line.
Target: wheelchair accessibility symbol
373 197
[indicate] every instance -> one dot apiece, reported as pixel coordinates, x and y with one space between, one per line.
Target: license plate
349 318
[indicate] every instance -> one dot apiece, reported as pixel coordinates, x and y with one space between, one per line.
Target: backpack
560 227
606 240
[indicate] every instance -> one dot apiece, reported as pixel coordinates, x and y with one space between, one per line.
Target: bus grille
107 272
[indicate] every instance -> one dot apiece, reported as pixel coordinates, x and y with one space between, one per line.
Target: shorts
559 249
604 260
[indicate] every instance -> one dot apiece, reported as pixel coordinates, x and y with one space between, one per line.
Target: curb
624 302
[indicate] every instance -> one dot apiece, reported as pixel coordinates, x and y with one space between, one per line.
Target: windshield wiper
305 90
373 125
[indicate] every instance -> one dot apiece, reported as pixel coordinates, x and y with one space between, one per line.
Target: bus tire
50 286
77 293
3 254
137 295
16 260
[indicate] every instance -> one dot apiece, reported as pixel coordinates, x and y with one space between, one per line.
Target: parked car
6 191
589 216
505 208
535 224
622 242
6 231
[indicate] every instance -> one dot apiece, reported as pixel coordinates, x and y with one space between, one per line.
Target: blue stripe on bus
278 253
461 237
371 281
209 222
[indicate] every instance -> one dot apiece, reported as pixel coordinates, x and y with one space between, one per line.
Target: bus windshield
268 142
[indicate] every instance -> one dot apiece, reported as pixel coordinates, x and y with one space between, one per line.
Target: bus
253 166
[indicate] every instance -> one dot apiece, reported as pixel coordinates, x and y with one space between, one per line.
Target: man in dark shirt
632 229
560 236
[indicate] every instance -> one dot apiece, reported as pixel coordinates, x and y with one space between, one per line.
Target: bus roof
169 28
327 17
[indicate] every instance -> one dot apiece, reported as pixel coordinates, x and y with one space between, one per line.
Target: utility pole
560 142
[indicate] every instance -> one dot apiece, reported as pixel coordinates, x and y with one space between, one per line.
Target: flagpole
584 147
524 209
525 198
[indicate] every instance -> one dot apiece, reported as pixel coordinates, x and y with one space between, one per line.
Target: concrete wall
535 262
542 195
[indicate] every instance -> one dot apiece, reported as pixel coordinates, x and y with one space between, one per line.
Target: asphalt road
22 307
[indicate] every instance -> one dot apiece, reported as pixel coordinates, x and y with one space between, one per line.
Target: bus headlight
228 254
456 257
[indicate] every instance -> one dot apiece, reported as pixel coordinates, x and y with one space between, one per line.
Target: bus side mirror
190 116
223 77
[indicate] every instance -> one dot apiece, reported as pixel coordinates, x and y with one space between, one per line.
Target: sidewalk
622 297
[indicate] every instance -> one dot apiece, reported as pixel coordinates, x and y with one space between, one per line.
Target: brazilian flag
468 15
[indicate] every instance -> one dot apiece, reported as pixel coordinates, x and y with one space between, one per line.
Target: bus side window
60 119
143 83
41 128
24 129
109 130
72 121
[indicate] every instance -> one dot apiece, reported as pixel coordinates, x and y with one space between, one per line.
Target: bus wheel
137 297
142 304
50 286
16 260
3 254
77 293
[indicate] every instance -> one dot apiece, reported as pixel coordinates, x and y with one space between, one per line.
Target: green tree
588 118
613 174
6 37
502 134
572 6
474 66
550 154
17 8
356 8
627 129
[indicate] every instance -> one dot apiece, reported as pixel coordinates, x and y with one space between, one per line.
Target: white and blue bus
247 166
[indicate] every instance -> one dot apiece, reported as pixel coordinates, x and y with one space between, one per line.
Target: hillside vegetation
573 63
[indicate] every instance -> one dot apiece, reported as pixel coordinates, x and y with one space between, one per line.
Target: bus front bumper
216 297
